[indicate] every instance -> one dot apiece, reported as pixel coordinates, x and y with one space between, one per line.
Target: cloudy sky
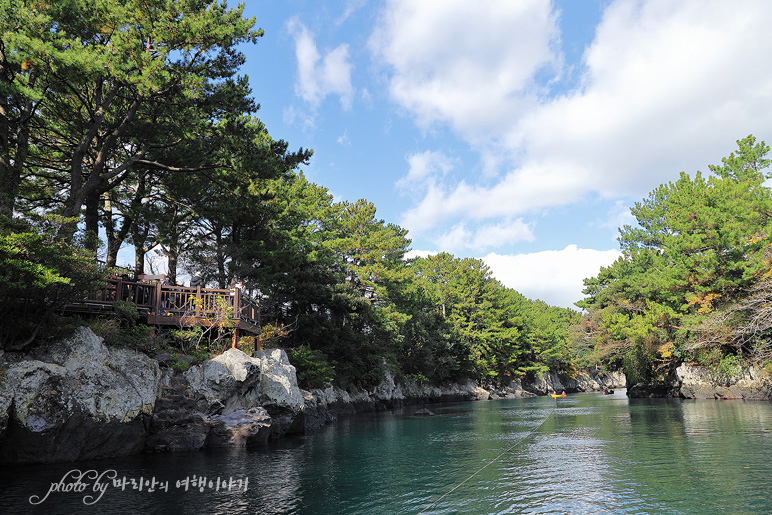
518 132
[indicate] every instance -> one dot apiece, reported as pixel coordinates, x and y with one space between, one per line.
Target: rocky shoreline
79 400
694 382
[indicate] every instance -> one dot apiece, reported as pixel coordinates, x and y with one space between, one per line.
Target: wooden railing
176 305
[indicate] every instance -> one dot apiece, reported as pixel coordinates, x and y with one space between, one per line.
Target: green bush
181 366
313 369
38 276
730 366
720 364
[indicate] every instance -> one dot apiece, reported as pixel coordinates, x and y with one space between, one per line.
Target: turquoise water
589 454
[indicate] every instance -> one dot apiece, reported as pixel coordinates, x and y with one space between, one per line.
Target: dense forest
126 123
693 283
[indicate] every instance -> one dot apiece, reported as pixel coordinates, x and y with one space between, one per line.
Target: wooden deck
177 306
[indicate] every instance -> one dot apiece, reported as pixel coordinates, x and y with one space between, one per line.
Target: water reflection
590 454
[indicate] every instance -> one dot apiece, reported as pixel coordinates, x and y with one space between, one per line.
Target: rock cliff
324 405
76 400
699 383
79 399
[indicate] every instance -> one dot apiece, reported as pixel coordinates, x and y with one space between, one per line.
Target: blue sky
518 132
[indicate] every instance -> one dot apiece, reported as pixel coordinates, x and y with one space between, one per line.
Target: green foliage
111 76
186 338
153 141
181 366
126 311
126 329
270 337
487 331
313 369
38 275
699 244
721 364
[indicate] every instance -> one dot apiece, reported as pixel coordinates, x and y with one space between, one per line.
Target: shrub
39 275
313 369
181 366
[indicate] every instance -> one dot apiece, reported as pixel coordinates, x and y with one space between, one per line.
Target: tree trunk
139 260
172 256
10 173
92 221
222 278
14 139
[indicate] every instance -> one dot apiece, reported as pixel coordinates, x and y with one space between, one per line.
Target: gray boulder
242 428
278 387
226 383
76 400
234 381
699 383
545 383
591 381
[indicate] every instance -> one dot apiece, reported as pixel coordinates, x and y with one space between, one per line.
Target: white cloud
506 232
519 192
291 115
320 76
468 64
667 86
554 276
352 6
485 236
425 167
419 253
344 139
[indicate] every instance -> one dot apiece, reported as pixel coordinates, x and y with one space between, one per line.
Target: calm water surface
590 454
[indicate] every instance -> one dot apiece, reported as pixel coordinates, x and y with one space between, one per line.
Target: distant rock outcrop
582 381
699 383
323 405
689 381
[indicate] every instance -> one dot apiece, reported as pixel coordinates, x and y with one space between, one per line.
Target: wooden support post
236 315
237 303
156 308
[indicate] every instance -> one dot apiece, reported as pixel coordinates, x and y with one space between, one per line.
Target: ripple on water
591 454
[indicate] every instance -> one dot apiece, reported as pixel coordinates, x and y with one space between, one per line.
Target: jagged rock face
595 382
243 428
235 381
278 382
177 425
583 381
323 405
76 400
699 383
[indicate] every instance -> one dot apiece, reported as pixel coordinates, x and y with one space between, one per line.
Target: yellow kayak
556 395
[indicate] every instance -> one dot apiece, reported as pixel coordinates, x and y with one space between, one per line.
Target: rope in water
532 431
